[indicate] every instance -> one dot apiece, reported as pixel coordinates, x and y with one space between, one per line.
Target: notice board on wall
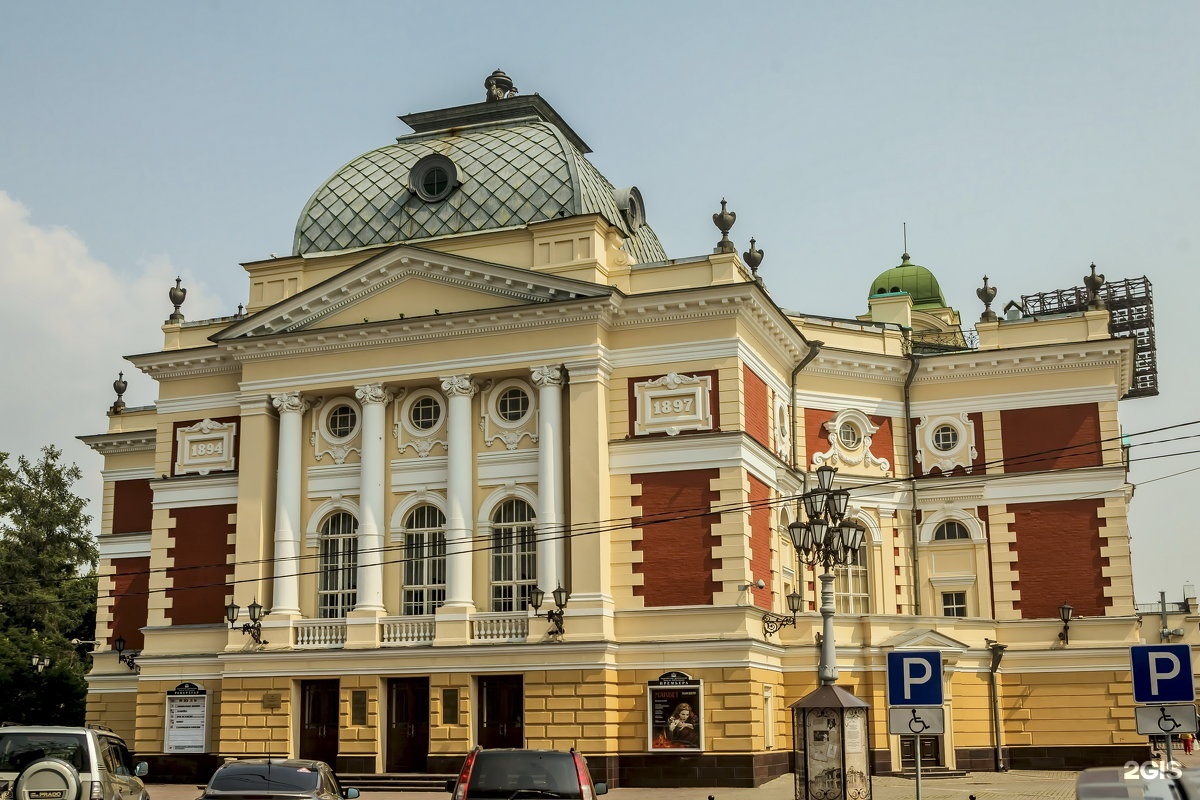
187 719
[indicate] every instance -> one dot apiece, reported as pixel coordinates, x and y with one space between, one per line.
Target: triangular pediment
406 282
924 639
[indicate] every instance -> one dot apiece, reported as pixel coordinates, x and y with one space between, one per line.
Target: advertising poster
676 715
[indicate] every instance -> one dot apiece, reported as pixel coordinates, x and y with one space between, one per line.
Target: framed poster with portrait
676 713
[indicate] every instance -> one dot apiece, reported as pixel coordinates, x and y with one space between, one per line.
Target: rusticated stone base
1075 758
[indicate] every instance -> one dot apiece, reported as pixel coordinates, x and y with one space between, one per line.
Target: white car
1146 781
47 762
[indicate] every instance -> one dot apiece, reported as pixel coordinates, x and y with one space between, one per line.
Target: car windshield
523 774
263 777
19 749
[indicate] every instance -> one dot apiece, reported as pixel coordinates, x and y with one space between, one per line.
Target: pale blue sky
1021 140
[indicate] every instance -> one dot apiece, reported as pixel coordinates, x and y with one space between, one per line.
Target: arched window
337 584
950 529
424 560
851 588
514 555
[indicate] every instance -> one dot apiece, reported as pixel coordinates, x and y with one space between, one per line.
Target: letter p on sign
914 678
1162 673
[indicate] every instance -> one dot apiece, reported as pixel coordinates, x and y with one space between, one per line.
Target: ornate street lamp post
829 724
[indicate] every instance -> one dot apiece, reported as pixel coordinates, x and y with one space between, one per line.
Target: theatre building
479 464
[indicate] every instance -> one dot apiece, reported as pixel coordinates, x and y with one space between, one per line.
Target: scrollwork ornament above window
419 421
850 439
335 429
507 413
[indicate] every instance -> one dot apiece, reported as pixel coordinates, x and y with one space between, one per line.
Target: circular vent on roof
629 201
433 178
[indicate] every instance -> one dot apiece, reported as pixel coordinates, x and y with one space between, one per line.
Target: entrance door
931 751
407 724
319 720
502 711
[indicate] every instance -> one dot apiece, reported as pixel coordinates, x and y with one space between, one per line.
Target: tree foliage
47 590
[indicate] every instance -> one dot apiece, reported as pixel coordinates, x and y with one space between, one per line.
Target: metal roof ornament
753 257
1093 283
986 295
177 295
724 222
499 86
119 386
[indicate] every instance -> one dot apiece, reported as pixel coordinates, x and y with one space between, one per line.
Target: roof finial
905 256
1093 283
119 386
986 295
724 222
499 86
753 257
176 295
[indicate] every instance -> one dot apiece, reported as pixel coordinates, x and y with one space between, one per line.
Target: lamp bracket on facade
555 615
253 628
128 660
1065 614
772 623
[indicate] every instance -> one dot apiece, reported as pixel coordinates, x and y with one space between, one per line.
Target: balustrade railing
318 633
401 631
500 627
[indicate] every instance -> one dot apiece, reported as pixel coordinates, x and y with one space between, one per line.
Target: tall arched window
850 585
514 555
337 584
424 560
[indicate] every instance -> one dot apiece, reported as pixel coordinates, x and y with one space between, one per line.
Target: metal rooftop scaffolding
1131 314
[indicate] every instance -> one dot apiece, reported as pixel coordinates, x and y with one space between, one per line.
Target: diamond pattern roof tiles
514 175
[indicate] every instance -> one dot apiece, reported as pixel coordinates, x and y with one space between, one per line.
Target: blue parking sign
1162 673
914 678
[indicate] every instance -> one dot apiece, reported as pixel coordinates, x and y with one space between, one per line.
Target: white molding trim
123 545
195 491
208 404
134 474
679 453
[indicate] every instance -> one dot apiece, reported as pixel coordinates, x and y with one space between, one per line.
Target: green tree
47 592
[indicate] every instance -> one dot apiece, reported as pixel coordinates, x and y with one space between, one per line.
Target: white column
551 549
374 402
459 489
291 407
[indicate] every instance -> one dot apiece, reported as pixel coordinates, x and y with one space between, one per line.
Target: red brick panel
760 542
677 541
1054 437
133 507
757 407
131 584
816 438
882 445
198 583
1058 558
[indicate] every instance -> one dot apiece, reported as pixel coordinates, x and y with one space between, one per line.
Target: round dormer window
433 178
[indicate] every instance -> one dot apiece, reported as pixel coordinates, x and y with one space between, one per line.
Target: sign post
915 698
1162 674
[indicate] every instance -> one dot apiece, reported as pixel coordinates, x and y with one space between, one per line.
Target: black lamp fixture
560 595
1064 613
773 622
40 662
826 540
127 660
253 628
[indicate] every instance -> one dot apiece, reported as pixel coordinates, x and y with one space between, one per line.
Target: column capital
547 375
459 385
290 402
370 393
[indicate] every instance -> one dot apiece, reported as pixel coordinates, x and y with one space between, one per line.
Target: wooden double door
407 745
931 751
501 711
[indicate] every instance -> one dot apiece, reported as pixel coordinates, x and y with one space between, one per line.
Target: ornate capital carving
372 393
459 385
547 375
290 402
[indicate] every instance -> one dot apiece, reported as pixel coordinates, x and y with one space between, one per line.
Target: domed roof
498 164
913 279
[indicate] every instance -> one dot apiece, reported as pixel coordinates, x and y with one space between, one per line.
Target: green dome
913 280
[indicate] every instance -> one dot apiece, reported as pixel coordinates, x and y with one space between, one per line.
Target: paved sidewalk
1034 784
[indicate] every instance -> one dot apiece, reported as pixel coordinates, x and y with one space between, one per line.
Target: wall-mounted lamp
1064 613
773 622
127 660
40 662
555 616
253 628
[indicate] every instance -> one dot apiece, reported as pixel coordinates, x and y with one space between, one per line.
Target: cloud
68 320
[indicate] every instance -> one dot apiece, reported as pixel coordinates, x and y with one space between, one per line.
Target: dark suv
516 774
